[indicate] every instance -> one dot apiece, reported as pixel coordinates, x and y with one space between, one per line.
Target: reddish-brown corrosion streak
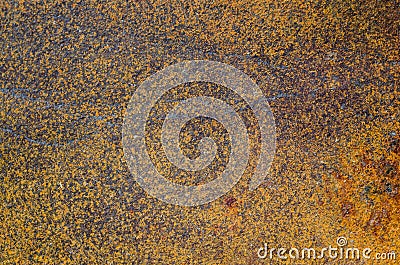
230 201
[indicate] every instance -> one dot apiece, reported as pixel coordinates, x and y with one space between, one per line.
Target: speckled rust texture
330 70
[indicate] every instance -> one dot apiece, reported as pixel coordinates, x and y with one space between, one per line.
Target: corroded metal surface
329 70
